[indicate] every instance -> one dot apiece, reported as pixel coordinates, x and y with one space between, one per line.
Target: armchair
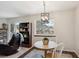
12 46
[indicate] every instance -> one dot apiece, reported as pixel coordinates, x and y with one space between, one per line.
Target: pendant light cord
44 6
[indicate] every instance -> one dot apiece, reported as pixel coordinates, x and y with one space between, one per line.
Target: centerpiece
45 41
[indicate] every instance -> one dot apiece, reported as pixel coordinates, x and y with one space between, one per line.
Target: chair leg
45 53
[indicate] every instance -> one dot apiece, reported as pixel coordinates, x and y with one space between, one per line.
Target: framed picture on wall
44 28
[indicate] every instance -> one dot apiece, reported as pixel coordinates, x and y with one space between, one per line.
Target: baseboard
77 52
74 55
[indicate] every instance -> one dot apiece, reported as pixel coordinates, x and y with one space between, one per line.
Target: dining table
50 46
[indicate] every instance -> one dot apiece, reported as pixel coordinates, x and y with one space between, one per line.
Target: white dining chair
57 52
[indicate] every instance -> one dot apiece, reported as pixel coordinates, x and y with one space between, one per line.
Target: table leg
45 53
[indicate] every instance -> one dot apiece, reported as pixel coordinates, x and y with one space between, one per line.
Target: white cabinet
3 36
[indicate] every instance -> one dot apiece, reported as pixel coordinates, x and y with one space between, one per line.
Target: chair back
58 50
15 41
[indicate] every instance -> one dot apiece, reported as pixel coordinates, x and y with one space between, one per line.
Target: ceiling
24 8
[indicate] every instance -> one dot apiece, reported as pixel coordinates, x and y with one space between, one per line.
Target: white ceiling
23 8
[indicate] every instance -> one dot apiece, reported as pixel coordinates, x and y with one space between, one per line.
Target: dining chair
57 52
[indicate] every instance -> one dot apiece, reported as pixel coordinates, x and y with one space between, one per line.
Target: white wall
64 27
77 31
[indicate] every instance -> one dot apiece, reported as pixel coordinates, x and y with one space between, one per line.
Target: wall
64 27
77 31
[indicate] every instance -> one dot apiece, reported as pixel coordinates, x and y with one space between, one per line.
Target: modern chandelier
44 15
45 20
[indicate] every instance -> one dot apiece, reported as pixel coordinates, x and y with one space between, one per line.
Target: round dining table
51 45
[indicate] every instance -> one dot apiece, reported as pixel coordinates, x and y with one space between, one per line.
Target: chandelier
44 15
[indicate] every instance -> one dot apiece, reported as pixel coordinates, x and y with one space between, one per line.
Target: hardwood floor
29 52
66 54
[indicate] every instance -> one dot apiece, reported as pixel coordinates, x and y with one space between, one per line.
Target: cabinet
3 36
26 30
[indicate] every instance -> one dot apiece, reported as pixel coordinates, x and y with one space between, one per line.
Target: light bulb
43 18
46 18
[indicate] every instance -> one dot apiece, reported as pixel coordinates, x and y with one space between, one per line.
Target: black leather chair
12 46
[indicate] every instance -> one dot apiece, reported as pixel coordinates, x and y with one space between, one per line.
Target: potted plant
45 41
